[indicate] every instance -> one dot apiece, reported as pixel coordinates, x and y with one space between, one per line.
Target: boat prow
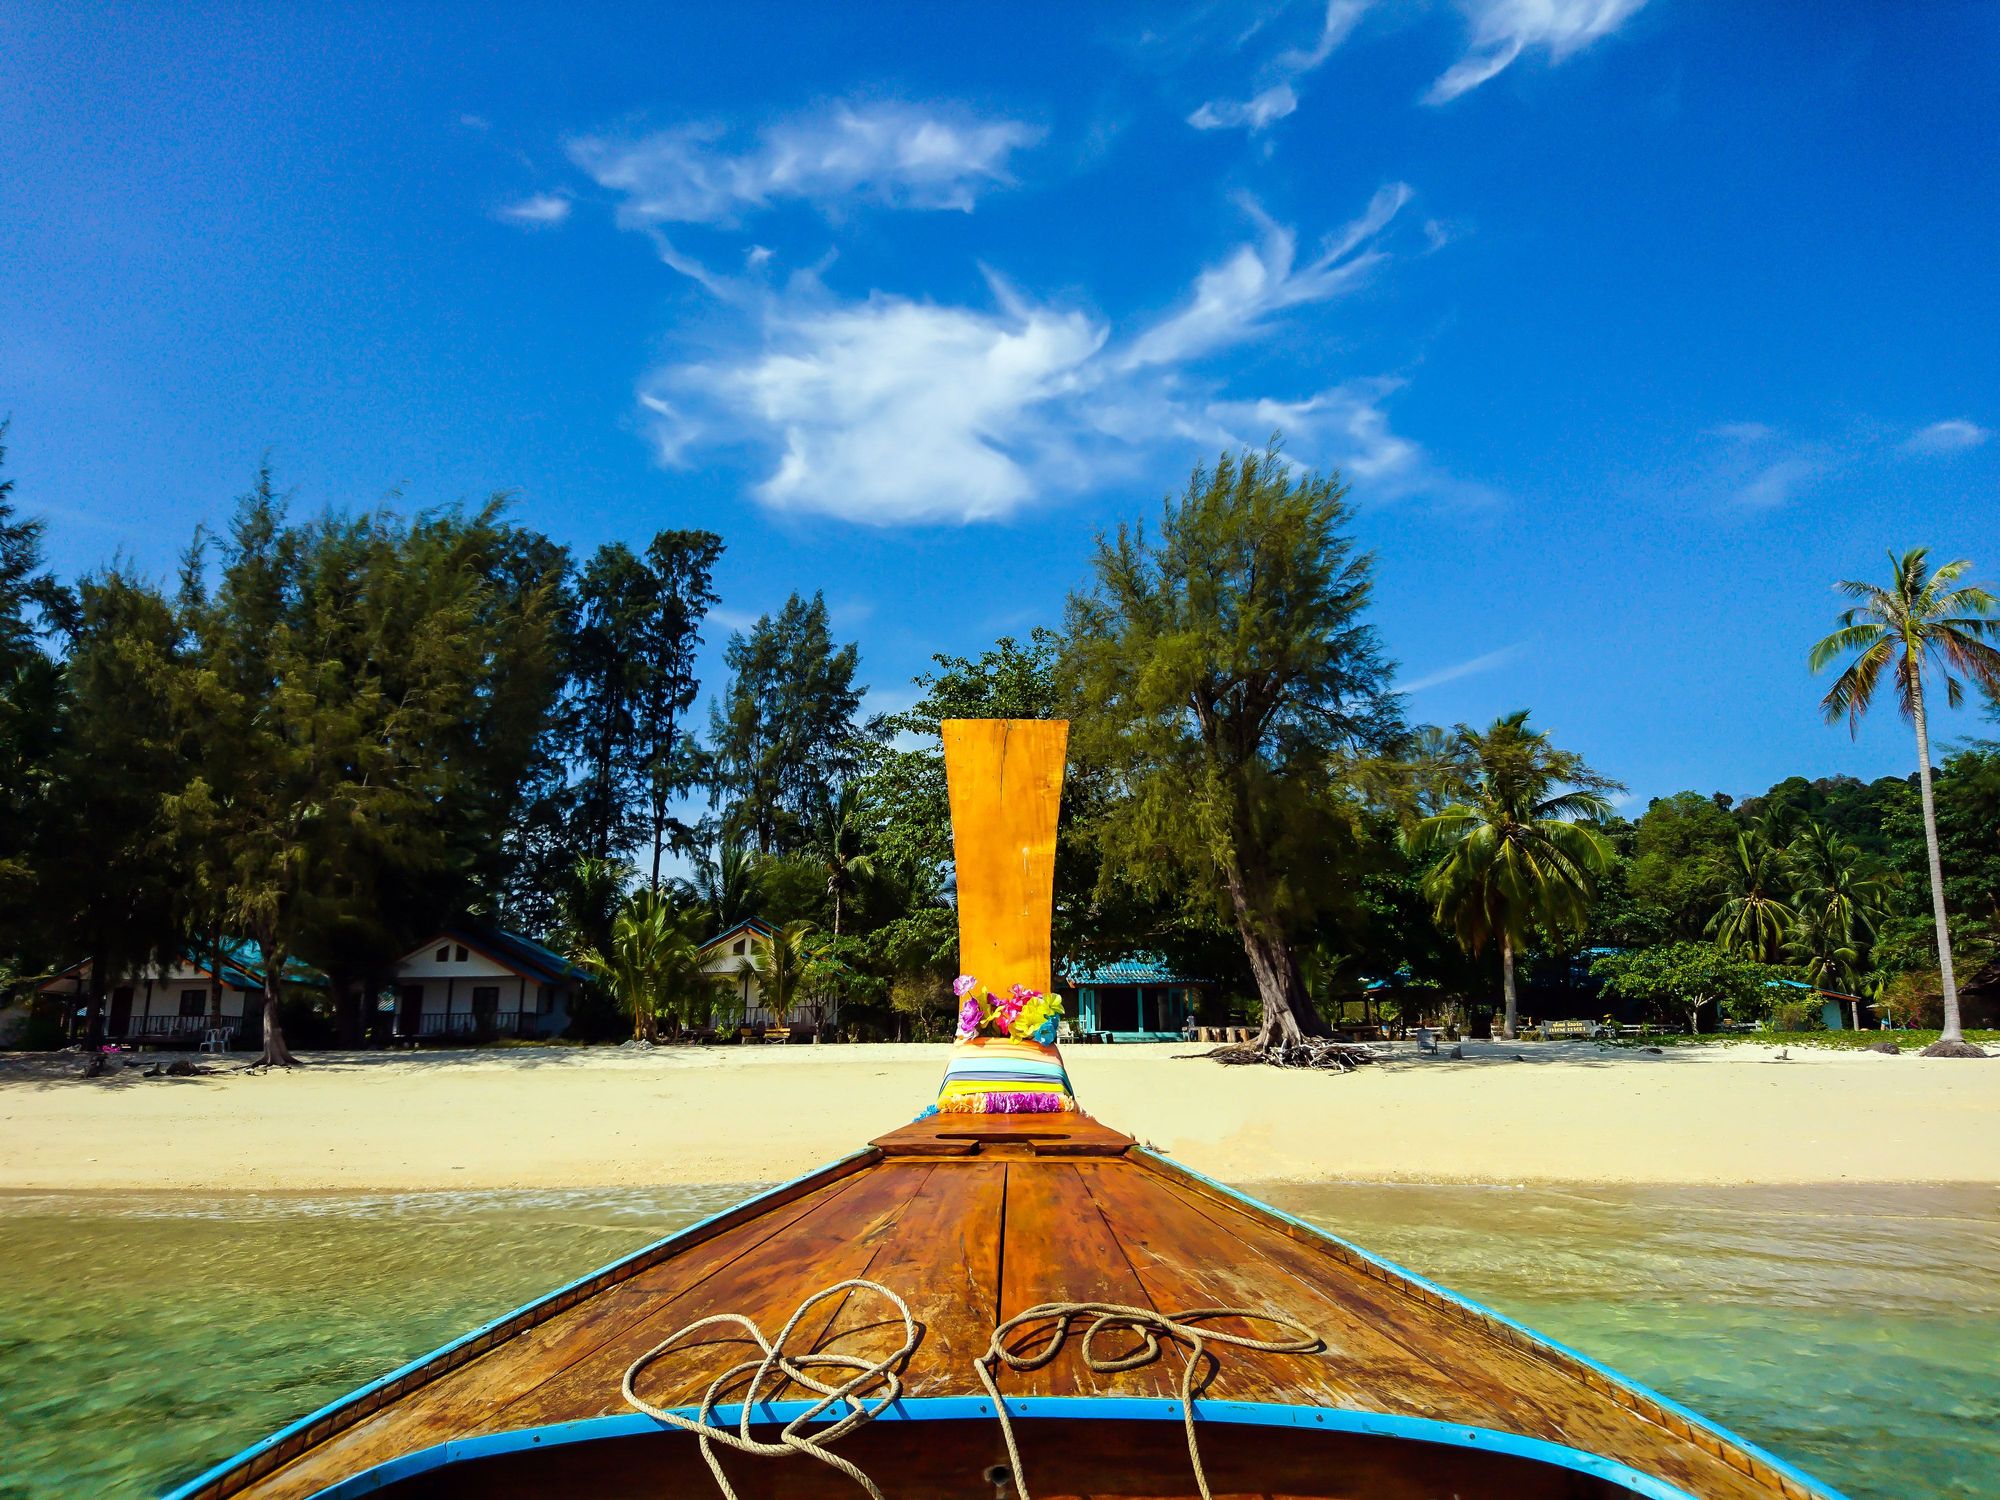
934 1275
973 1221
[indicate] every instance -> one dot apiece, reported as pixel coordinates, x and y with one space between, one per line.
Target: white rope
873 1385
1151 1327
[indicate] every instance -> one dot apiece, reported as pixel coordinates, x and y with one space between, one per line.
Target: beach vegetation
1222 671
1515 844
1925 622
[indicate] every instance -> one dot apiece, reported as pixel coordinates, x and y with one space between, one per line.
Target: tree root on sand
1952 1049
1306 1052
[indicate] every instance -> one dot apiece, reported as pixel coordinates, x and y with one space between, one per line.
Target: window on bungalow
461 953
739 946
444 953
194 1002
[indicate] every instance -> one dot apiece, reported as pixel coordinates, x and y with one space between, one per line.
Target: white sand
562 1117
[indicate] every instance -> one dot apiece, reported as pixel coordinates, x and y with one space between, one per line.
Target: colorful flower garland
1023 1014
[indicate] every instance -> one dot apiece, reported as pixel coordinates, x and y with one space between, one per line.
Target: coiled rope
875 1383
1152 1328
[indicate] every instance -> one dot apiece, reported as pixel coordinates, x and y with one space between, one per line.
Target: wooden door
121 1011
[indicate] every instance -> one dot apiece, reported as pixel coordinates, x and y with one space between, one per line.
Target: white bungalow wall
448 984
155 992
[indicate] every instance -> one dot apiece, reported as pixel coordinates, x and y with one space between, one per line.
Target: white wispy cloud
538 211
1485 662
1775 484
1952 436
1502 30
1744 432
900 155
892 410
1276 97
1232 299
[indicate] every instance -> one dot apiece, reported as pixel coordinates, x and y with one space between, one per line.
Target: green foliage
652 965
784 736
1223 678
1755 915
1683 851
1689 982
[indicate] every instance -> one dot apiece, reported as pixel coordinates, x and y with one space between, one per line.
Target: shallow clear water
1851 1330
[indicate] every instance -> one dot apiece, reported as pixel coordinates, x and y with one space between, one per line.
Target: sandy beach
562 1117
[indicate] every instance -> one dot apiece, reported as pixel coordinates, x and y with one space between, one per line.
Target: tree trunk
215 974
1289 1013
1507 1028
275 1054
1953 1030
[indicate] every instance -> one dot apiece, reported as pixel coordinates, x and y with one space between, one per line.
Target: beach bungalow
173 1001
729 956
1137 999
474 982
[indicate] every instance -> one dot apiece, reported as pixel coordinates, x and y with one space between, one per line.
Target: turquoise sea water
1851 1330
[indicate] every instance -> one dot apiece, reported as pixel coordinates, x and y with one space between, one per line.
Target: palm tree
777 967
1837 902
1517 850
1921 619
838 836
1754 917
633 962
728 885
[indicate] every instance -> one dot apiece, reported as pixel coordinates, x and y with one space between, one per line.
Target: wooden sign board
1005 777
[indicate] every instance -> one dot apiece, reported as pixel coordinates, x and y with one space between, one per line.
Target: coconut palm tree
1923 619
837 841
778 966
1837 902
1755 917
728 884
1518 850
634 960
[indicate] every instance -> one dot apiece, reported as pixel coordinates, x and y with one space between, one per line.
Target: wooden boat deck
973 1219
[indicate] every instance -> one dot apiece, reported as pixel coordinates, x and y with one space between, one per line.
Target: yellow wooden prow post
1005 777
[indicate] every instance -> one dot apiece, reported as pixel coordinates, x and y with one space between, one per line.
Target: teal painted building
1138 999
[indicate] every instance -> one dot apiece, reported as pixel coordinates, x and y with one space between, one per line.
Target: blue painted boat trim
210 1475
1692 1418
1032 1408
1110 1408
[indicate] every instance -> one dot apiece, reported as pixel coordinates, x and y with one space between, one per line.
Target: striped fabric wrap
992 1075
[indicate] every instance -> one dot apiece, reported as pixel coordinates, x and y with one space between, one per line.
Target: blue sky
1632 325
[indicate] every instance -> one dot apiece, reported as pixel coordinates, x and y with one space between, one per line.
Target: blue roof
1140 968
748 924
517 952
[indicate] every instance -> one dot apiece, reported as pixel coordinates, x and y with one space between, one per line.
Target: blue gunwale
1791 1472
644 1253
1029 1408
946 1407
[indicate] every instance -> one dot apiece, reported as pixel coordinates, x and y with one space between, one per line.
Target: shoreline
1571 1113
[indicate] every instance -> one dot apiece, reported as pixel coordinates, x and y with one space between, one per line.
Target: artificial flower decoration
1023 1014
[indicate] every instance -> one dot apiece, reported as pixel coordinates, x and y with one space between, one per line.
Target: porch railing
468 1023
166 1028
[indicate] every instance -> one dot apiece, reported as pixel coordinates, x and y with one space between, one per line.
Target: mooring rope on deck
1152 1329
876 1383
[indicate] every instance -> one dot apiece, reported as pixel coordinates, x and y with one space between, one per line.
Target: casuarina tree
1221 672
1924 620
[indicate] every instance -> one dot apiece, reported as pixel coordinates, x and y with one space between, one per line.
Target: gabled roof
242 967
756 926
510 950
1139 968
